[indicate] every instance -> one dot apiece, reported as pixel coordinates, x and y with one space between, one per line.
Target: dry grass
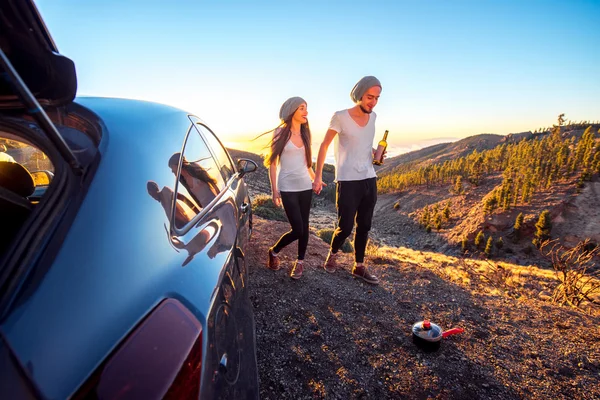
491 277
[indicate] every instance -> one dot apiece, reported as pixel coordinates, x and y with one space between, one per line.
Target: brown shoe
297 269
331 263
360 271
273 261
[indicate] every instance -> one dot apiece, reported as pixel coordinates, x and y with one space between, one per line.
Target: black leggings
355 201
297 209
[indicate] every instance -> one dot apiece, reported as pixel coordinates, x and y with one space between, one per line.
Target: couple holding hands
293 179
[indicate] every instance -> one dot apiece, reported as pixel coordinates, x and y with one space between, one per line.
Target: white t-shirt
353 147
292 170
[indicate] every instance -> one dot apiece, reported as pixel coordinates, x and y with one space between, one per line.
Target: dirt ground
331 336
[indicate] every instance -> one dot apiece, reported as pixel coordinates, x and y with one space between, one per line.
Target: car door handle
245 207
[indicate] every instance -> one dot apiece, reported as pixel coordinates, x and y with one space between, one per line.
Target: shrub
578 281
479 239
327 234
499 243
264 207
375 255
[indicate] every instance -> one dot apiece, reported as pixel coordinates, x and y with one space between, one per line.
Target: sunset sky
449 68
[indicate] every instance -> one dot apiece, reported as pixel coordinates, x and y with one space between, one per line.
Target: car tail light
161 358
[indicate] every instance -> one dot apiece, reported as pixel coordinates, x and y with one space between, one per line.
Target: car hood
25 40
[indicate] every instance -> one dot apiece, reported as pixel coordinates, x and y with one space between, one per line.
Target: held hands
318 185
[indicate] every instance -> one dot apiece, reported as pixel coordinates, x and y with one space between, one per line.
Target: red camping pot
428 336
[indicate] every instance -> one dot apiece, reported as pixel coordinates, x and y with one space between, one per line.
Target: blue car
123 229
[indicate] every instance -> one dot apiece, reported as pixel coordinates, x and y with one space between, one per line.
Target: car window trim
187 227
197 121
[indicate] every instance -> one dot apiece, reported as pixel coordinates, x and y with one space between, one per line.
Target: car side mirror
42 178
245 165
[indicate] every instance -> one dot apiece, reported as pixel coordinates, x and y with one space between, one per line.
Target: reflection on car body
93 300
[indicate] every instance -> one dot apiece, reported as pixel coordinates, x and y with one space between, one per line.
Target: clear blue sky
449 68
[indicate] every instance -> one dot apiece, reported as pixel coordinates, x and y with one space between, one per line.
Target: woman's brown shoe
273 261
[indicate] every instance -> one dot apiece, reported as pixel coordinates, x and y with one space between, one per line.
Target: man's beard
365 111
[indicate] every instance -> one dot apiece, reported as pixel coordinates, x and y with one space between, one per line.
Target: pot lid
427 330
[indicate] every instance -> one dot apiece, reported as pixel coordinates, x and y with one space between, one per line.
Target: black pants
297 209
355 202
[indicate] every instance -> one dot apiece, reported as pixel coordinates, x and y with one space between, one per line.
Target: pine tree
479 239
488 247
543 227
517 227
446 211
437 221
425 216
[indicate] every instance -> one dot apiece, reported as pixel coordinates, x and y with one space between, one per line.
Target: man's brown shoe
360 271
297 269
331 263
273 261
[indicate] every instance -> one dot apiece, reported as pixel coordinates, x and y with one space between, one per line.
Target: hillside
330 336
443 151
439 153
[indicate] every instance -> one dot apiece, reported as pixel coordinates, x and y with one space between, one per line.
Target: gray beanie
358 91
290 106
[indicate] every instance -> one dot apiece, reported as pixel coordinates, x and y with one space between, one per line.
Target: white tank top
293 173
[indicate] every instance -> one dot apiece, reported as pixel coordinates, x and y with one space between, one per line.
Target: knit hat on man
290 106
359 90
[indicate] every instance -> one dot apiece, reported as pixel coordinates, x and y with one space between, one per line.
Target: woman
198 182
291 176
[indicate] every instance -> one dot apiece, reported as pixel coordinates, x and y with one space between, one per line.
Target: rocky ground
331 336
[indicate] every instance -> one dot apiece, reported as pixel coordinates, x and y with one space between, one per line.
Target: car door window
227 168
199 180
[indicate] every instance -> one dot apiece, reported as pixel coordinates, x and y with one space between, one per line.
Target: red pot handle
452 331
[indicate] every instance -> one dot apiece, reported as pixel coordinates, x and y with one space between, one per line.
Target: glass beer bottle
381 146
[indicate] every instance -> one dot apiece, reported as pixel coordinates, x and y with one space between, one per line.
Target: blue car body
121 282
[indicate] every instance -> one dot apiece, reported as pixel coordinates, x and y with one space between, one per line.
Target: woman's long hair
196 171
283 133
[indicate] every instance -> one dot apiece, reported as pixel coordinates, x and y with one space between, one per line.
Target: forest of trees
527 166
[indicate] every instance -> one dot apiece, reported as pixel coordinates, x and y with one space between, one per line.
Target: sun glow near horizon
448 69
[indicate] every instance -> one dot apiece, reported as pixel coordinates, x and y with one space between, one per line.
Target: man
353 130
